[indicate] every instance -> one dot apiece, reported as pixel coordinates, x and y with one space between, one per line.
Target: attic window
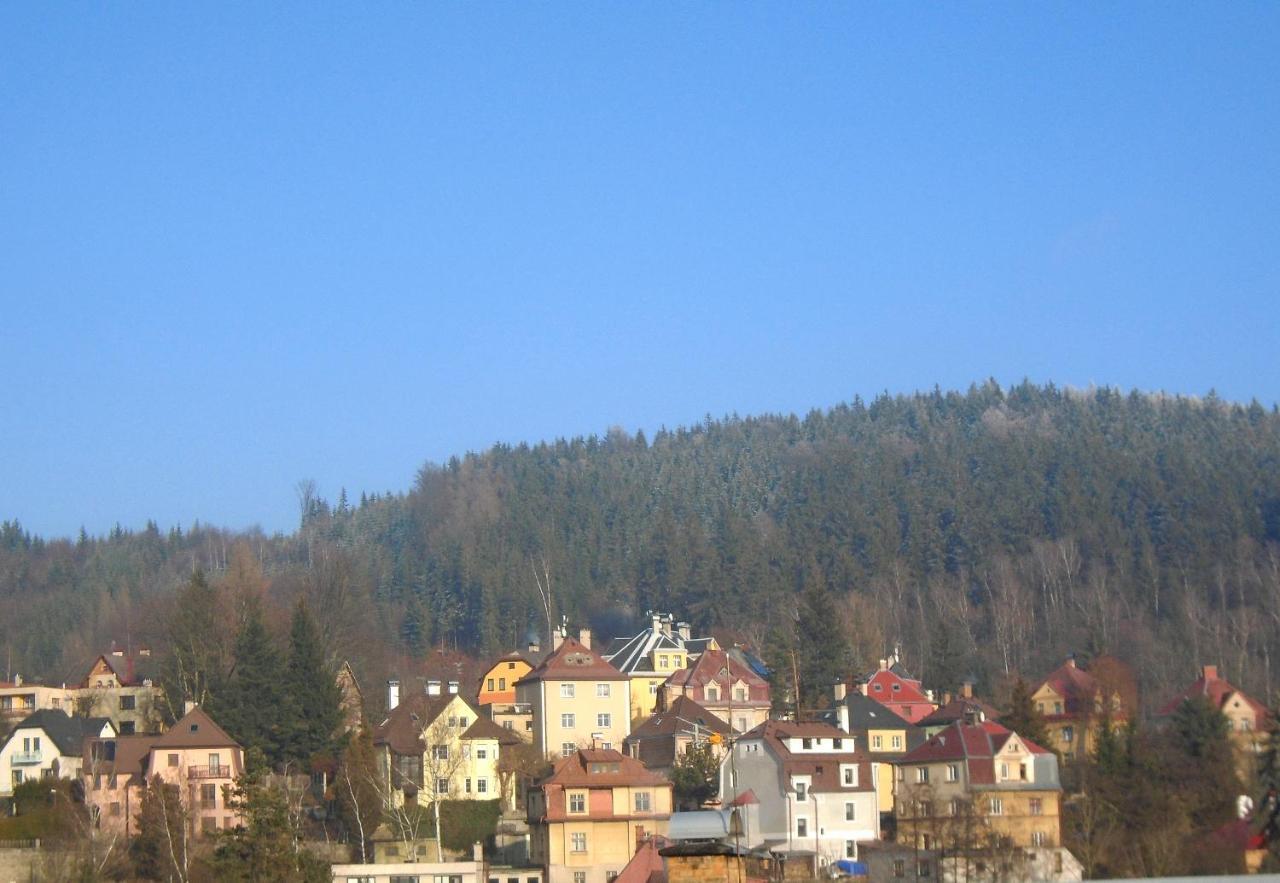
195 728
878 688
897 687
577 659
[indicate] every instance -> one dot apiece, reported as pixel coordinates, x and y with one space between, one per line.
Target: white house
47 745
814 787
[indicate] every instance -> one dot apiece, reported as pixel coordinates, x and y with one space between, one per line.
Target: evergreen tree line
985 533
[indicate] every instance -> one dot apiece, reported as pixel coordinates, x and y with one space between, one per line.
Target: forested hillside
987 533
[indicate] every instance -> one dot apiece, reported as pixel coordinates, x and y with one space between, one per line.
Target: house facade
195 759
1074 703
814 788
577 699
885 736
659 741
589 816
1246 717
724 683
439 746
892 687
978 786
47 744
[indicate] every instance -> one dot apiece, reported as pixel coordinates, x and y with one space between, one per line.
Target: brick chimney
840 690
1209 672
584 638
433 687
393 694
966 689
1071 661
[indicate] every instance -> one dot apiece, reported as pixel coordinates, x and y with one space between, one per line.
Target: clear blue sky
246 244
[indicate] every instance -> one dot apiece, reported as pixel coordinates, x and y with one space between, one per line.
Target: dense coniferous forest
988 533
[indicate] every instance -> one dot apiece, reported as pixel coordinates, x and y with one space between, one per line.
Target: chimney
884 664
393 694
17 680
1209 673
433 687
144 651
584 637
534 648
1071 661
862 688
453 688
685 630
477 852
840 690
188 707
966 689
666 624
946 697
656 624
557 636
928 694
842 712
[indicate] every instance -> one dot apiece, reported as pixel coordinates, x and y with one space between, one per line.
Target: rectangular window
482 753
482 786
215 763
440 752
604 720
1037 806
877 742
17 777
850 812
1037 838
489 685
739 694
502 683
209 796
802 790
208 825
1004 770
806 743
922 774
466 785
643 802
567 749
566 691
126 728
996 806
127 703
566 721
578 842
579 877
850 849
602 691
896 742
173 760
899 868
837 744
1068 734
442 786
953 772
924 868
850 776
802 827
577 803
662 660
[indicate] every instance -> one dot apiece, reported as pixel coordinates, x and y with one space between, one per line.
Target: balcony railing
208 772
23 758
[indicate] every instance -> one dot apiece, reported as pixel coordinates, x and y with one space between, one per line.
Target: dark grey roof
633 654
68 733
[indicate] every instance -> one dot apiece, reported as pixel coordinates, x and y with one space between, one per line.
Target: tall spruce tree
312 699
251 707
1023 718
820 650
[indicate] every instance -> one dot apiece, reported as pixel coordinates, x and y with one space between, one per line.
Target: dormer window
897 687
806 744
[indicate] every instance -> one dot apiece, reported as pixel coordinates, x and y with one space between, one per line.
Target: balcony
209 772
26 758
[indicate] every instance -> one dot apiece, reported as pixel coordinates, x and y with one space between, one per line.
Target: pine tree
266 847
312 698
159 851
820 647
250 708
695 777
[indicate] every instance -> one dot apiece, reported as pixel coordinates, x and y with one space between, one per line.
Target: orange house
498 684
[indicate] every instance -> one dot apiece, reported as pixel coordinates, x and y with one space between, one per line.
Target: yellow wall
586 705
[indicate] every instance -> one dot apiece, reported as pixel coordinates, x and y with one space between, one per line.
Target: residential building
892 687
498 683
724 683
962 707
195 759
1246 716
815 790
439 742
577 699
978 786
885 736
122 686
661 739
588 817
472 871
20 698
1075 702
649 658
47 745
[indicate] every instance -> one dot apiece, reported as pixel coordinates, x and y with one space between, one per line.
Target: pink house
195 756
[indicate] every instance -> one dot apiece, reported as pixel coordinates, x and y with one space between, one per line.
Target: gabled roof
1216 689
127 756
959 709
196 730
683 716
975 744
67 733
403 727
887 685
484 728
822 767
572 661
866 713
601 768
130 669
709 667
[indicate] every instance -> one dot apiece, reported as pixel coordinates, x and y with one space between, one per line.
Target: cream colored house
587 818
578 700
440 746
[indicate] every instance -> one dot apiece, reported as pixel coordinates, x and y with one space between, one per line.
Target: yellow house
976 787
1074 702
578 700
441 747
651 656
587 818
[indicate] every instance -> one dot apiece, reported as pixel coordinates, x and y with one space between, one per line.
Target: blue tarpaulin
851 869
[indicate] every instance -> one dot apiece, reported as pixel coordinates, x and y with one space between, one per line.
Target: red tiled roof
1076 687
601 768
572 661
967 742
708 668
1217 690
908 690
956 710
